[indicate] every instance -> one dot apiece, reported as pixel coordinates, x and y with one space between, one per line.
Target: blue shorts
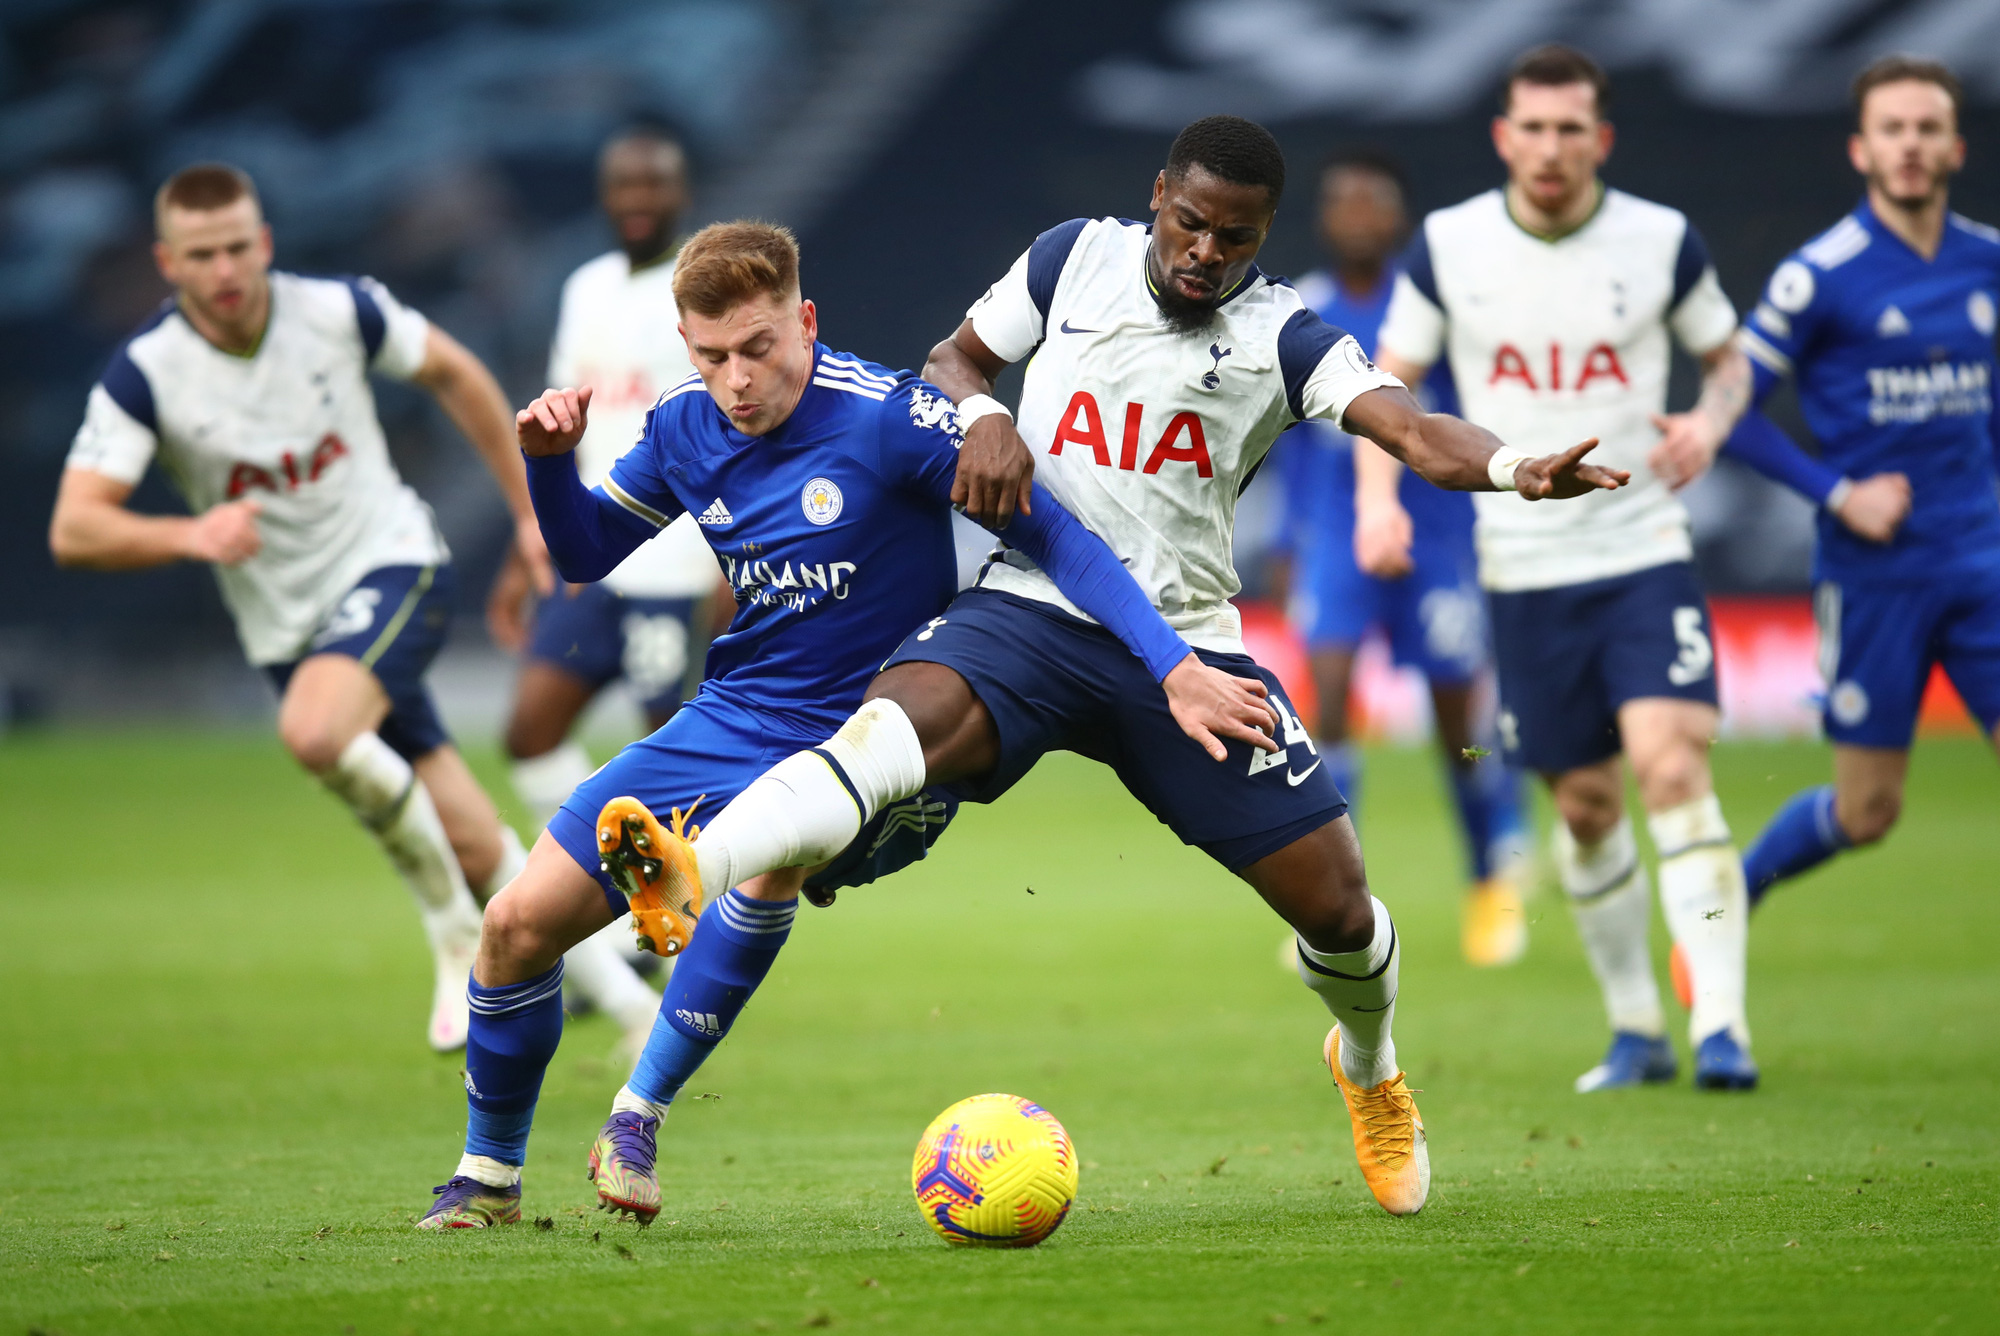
707 754
393 622
1878 641
656 644
1435 617
1569 657
1054 682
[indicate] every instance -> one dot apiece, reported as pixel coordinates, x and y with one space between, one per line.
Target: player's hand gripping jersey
1550 342
1895 366
1149 435
618 332
834 529
292 426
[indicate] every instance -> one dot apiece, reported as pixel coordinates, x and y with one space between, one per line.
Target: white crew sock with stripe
1606 885
809 806
1708 911
383 790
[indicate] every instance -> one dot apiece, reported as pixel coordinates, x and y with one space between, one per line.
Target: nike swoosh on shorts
1296 780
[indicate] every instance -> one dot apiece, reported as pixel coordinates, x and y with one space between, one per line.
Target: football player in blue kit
1167 366
1433 613
1886 322
823 482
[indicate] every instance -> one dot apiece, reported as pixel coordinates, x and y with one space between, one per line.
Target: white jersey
291 425
1148 435
618 333
1553 342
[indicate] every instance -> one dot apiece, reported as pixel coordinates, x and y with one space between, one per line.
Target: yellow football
994 1171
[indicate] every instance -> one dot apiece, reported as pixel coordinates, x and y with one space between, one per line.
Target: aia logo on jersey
1598 363
1182 441
291 472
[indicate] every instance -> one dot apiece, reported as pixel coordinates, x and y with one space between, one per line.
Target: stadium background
916 145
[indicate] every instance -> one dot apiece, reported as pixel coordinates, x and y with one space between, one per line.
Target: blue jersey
834 529
1316 459
1894 360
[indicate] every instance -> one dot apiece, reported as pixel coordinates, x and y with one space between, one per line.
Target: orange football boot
1388 1137
655 868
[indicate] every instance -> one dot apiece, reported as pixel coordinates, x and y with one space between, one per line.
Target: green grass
217 1113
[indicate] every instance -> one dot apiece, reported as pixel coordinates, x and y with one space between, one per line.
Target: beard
1935 184
1184 315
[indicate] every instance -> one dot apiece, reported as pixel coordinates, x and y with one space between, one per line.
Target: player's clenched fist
226 534
1875 507
554 422
1565 475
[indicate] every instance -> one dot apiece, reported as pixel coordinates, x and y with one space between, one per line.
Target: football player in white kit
251 389
648 621
1168 365
1554 299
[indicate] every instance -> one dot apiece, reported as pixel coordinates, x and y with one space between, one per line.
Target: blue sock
728 956
1343 763
515 1030
1802 835
1488 795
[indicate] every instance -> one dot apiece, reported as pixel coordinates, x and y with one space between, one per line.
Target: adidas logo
717 514
1892 323
704 1021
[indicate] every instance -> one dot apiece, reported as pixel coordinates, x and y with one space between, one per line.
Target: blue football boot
1632 1059
1720 1063
467 1203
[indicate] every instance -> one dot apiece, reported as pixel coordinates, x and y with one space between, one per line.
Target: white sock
544 783
1359 988
1606 884
800 812
597 970
384 792
627 1102
1708 911
487 1170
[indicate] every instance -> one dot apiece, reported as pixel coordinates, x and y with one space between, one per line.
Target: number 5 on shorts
1697 657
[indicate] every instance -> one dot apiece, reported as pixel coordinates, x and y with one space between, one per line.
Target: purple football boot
621 1164
467 1203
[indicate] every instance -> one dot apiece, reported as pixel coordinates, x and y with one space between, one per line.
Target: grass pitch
217 1113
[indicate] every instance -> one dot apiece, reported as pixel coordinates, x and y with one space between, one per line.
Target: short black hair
1232 149
1365 158
1552 66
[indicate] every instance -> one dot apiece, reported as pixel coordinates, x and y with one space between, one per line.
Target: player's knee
1870 817
1588 808
509 936
312 742
1675 776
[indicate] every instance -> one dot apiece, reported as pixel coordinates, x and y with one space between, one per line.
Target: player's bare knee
1589 804
1673 777
312 742
508 936
1869 817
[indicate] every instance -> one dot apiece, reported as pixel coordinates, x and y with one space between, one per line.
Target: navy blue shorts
1054 682
1435 617
1878 641
393 622
708 753
656 644
1569 657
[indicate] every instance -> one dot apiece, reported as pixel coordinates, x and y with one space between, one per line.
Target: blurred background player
1887 321
1554 299
1432 611
251 387
647 622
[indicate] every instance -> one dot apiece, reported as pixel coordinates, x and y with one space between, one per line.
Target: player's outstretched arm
472 399
996 470
1454 454
587 532
91 529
